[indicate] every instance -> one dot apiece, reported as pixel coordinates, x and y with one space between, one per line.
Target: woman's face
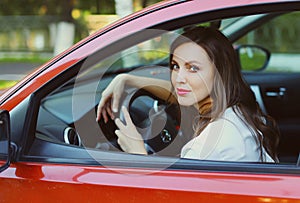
192 73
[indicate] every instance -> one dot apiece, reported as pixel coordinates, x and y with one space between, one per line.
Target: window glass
150 52
68 115
280 37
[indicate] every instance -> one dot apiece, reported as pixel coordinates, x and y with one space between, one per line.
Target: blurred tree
63 31
19 7
96 6
63 9
58 16
123 7
37 7
145 3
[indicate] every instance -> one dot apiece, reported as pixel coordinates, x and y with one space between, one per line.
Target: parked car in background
52 148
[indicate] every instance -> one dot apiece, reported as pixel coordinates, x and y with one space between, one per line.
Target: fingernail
115 109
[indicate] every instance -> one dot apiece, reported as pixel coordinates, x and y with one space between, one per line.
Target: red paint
42 182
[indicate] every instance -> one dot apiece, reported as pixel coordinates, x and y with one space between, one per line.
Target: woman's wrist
139 148
123 77
140 151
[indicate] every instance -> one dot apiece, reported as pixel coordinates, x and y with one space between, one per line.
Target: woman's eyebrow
173 61
193 62
186 62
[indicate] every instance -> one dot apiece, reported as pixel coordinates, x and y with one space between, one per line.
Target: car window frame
35 98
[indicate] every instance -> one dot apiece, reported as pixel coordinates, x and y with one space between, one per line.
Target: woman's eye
193 68
174 67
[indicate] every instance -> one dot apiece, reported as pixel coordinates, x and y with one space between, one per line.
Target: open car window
67 115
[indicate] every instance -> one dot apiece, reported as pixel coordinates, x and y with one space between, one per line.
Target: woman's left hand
129 138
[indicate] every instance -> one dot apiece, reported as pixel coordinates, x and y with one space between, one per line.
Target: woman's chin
185 102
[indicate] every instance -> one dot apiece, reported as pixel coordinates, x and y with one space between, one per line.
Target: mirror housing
5 152
253 57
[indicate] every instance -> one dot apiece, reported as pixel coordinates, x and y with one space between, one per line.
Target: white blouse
226 139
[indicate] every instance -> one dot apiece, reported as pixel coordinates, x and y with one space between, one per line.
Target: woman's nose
181 76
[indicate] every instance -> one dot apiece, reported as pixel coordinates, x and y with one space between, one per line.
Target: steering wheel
155 120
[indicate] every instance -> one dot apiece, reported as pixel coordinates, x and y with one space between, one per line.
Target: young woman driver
205 74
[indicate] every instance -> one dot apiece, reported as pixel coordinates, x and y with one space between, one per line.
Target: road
16 71
285 62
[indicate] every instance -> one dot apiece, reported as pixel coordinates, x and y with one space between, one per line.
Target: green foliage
149 57
280 35
6 84
54 7
252 64
96 6
30 59
20 7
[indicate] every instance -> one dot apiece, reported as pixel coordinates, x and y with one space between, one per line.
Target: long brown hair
229 84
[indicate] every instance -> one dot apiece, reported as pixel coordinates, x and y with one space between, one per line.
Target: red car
53 150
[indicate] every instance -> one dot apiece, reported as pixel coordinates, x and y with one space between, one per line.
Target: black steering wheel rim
157 123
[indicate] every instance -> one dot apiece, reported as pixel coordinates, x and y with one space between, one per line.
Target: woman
205 74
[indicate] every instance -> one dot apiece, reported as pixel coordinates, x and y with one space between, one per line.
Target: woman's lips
182 92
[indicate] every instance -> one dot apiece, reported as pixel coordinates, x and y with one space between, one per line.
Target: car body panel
42 182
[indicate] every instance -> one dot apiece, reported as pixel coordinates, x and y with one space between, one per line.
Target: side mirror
4 140
253 57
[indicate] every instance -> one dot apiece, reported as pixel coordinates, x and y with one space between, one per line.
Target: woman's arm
158 87
109 102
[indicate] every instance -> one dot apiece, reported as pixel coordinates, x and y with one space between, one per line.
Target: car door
64 155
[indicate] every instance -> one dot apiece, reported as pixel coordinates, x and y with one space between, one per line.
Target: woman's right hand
109 102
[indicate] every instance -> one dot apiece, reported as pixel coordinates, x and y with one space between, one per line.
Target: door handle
279 93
